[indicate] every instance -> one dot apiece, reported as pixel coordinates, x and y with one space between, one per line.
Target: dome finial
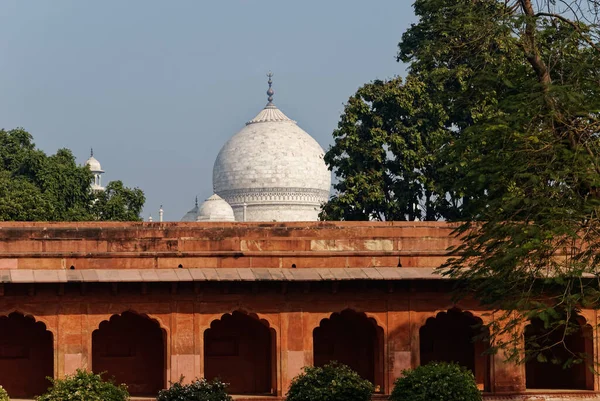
196 200
270 91
91 152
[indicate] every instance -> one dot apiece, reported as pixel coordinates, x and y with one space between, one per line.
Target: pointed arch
550 375
457 336
132 348
26 355
353 339
240 348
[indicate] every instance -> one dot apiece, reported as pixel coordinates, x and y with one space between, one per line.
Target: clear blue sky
157 87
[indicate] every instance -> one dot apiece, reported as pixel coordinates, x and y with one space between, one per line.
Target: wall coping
216 274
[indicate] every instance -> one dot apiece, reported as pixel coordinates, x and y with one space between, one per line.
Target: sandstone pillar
294 355
399 346
72 352
184 357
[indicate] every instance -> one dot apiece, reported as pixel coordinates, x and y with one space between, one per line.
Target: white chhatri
192 215
96 170
215 209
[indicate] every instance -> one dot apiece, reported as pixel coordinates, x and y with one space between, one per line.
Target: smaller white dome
192 215
215 209
94 165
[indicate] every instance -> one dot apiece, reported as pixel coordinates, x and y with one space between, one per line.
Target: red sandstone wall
72 316
197 245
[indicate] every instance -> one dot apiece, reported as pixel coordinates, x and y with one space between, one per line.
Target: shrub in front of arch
84 386
198 390
436 381
3 394
332 382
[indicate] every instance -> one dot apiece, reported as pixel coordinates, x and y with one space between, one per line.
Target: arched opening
131 348
456 336
26 356
240 350
546 371
353 339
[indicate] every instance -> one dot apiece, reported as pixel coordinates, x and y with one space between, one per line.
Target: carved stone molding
238 197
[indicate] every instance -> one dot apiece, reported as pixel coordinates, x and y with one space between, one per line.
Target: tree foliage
385 155
37 187
436 382
84 386
3 394
197 390
529 166
393 152
118 203
332 382
511 151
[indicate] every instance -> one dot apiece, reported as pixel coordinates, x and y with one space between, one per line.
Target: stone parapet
212 274
92 245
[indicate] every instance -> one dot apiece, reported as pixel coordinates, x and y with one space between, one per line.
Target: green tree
21 200
197 390
385 155
84 386
436 381
332 382
3 394
118 203
518 87
37 187
527 160
413 125
529 164
66 186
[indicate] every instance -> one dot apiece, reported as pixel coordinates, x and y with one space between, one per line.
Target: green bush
3 394
332 382
198 390
436 382
84 386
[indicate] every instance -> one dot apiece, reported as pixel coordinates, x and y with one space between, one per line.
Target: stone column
292 347
183 351
399 345
71 335
506 377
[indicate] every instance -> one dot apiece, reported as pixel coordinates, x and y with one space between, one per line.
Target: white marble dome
192 215
272 170
215 209
94 165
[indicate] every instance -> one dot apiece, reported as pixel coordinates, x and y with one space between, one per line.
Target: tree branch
574 25
531 51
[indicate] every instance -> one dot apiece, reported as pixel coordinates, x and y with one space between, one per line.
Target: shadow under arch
131 347
240 349
354 339
551 375
26 355
457 336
